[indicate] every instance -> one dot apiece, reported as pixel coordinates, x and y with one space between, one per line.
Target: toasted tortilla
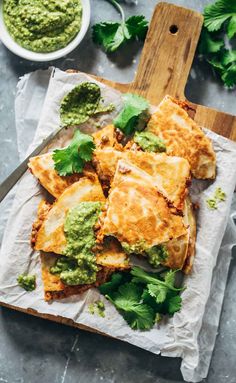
54 288
112 255
51 237
42 167
170 174
183 138
42 212
137 212
190 220
182 250
106 137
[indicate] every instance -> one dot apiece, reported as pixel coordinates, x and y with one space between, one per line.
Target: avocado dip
42 25
82 102
149 142
78 266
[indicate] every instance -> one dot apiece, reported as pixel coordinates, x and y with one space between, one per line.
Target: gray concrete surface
33 350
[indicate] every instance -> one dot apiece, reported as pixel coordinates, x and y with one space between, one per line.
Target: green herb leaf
174 304
229 76
216 14
208 44
109 287
231 30
111 35
137 27
141 276
72 158
158 292
219 17
128 301
134 115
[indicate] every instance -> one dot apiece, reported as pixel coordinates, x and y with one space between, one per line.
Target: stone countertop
33 350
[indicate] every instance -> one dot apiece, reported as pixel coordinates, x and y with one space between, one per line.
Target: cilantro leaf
158 292
141 317
72 159
141 276
231 30
112 35
109 287
208 44
128 302
174 304
137 27
219 19
134 115
109 35
216 14
229 76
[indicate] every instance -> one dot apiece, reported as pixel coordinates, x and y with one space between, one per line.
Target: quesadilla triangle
138 215
183 137
51 236
112 255
170 174
180 251
42 167
106 137
190 221
54 288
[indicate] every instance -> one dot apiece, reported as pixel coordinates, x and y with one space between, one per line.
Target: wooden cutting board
163 69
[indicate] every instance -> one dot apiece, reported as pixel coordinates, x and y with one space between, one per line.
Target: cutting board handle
168 52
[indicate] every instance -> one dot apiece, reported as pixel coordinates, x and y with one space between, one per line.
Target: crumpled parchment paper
191 333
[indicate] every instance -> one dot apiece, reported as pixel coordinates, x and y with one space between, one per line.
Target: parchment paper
191 333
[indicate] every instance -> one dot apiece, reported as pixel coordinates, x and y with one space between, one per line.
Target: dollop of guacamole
149 142
27 282
78 266
43 25
136 248
83 101
157 255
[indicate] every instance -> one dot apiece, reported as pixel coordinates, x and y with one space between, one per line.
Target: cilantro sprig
72 159
112 35
220 25
139 296
134 114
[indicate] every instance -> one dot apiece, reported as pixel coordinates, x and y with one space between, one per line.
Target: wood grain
164 69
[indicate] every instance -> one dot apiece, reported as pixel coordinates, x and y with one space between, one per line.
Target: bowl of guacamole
43 30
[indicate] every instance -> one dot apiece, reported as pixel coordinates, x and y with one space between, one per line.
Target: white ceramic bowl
8 41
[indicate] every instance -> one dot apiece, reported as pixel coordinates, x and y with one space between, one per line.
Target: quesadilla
190 221
183 138
181 250
111 255
51 236
170 174
42 167
54 288
106 137
138 215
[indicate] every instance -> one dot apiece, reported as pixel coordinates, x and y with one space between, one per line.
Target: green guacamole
157 255
78 266
83 101
43 25
149 142
27 282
